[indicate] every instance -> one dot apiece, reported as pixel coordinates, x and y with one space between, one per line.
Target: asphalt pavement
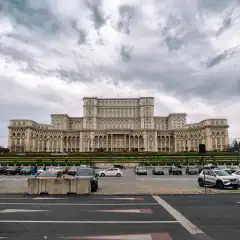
121 217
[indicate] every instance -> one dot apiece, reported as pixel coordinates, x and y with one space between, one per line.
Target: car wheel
200 182
118 175
102 175
235 187
219 185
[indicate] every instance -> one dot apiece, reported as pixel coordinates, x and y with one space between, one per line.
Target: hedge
132 154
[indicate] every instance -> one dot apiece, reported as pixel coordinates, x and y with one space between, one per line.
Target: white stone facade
117 125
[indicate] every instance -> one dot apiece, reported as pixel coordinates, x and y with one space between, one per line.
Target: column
169 143
165 144
138 142
67 144
92 143
48 145
145 143
156 143
125 142
33 144
111 141
61 144
81 143
106 142
129 146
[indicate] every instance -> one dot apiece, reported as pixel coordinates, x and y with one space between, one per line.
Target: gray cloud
223 56
97 14
125 53
126 13
181 52
81 33
37 19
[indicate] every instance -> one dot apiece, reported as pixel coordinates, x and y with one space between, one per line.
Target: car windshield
73 169
48 174
221 173
85 172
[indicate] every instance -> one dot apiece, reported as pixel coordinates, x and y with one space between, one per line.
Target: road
143 217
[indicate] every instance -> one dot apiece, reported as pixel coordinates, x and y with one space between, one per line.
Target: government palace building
117 125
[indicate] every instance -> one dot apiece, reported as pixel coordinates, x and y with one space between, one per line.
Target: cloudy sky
185 53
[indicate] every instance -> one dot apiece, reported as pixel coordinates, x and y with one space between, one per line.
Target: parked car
118 166
175 171
218 178
110 172
72 171
191 171
12 170
3 169
141 171
50 173
88 173
236 174
158 171
25 171
234 169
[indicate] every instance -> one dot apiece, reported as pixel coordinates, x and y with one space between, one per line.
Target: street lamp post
238 149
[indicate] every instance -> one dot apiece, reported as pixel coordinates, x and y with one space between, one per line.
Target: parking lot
136 217
129 183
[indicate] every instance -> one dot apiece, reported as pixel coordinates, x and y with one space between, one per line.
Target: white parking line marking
15 198
80 204
45 198
89 222
37 198
165 178
147 211
21 210
189 226
115 198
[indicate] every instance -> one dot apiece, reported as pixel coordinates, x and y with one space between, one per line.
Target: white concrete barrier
58 186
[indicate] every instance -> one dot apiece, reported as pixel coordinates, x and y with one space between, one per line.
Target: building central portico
117 125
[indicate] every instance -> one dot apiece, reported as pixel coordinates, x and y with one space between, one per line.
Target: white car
218 178
116 172
236 174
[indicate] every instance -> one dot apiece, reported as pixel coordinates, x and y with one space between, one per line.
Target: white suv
110 172
217 178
